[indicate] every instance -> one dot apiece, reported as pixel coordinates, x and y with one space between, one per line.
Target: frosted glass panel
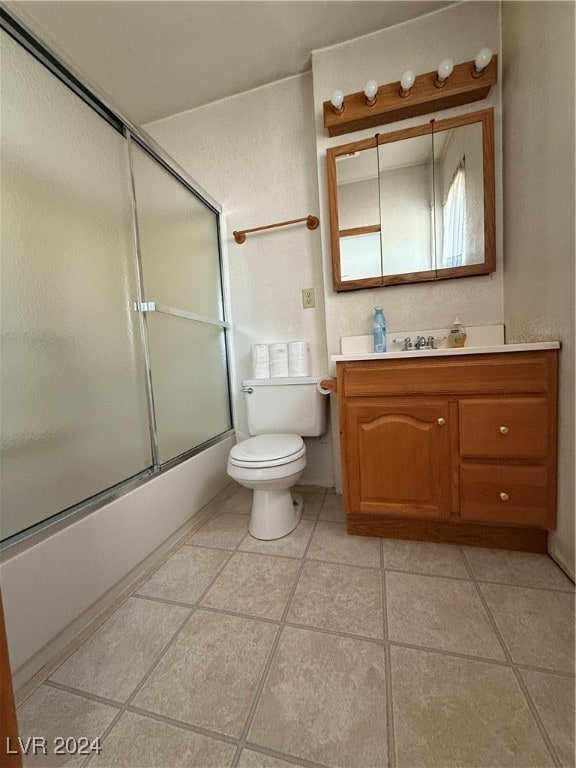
189 381
74 411
178 241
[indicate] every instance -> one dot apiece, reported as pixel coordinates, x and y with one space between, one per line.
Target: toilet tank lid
281 381
267 447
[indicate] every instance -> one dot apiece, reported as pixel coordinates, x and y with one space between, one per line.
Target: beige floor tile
114 659
240 503
257 585
251 759
224 531
324 700
312 505
439 613
140 742
339 597
526 569
50 714
293 545
331 542
537 625
333 509
424 557
452 712
210 674
185 575
553 697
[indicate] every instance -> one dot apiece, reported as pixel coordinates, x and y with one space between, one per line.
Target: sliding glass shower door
178 245
74 417
112 323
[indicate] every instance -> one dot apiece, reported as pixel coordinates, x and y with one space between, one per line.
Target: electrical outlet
308 298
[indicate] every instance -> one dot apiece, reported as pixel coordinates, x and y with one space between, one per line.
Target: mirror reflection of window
459 198
454 220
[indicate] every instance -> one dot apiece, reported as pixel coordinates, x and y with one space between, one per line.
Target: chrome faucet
420 342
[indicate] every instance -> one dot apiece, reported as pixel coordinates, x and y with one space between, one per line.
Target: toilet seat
267 451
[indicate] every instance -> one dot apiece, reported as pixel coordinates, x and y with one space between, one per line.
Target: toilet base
275 513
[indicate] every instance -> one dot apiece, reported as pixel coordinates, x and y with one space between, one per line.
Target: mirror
414 205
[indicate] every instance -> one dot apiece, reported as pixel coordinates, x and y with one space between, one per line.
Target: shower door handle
154 306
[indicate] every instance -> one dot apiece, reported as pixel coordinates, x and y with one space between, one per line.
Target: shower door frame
16 27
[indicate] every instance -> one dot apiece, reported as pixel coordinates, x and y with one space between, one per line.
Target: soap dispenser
457 334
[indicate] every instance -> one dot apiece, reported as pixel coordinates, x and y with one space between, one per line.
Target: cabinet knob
504 496
504 430
441 421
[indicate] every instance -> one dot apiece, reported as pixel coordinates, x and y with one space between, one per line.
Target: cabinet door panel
505 494
510 427
397 459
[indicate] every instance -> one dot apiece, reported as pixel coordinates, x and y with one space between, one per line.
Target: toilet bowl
280 412
270 465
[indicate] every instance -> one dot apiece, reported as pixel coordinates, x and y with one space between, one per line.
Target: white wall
538 52
458 32
48 586
255 154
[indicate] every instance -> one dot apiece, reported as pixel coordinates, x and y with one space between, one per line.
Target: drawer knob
504 496
441 421
504 430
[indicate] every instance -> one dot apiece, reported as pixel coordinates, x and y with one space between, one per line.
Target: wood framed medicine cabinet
414 205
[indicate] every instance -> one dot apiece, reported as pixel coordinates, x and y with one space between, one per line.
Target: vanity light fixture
337 101
406 83
483 58
450 85
445 69
370 91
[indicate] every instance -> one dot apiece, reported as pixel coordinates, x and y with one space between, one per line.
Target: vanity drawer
501 428
504 494
482 374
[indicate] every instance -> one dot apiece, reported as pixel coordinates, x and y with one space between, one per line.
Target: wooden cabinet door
396 458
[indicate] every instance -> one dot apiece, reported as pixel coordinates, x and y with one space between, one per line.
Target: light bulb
483 58
407 81
337 100
445 69
370 91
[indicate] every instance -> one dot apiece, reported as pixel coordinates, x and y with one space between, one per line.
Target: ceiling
155 58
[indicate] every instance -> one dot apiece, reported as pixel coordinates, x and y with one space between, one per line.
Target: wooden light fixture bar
462 87
312 222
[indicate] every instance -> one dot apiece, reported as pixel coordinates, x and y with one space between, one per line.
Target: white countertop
478 350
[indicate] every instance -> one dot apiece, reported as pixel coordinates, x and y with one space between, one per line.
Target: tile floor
322 649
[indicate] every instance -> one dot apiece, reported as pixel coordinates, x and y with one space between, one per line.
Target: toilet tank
290 405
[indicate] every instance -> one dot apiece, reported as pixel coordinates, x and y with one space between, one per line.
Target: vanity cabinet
455 448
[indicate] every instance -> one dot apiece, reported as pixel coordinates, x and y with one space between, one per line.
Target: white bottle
456 334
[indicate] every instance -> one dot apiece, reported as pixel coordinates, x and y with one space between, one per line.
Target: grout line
518 676
85 694
293 759
391 736
568 591
272 654
182 724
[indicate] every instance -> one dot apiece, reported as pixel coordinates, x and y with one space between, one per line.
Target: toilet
280 412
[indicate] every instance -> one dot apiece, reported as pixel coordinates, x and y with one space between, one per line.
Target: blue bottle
379 330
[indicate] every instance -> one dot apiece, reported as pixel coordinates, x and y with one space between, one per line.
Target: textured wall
255 154
458 32
538 49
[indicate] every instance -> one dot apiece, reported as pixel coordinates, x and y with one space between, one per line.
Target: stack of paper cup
260 361
299 358
278 360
